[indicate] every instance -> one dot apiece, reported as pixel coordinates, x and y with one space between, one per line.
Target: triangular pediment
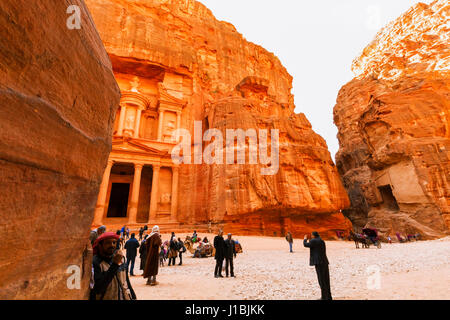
131 145
166 97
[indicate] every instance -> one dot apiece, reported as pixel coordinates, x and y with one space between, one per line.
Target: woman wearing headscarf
153 245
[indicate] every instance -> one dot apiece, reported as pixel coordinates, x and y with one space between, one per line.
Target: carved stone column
178 123
137 123
174 202
101 200
160 125
123 111
135 193
154 193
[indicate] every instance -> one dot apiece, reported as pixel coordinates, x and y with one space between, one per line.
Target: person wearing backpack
173 251
290 240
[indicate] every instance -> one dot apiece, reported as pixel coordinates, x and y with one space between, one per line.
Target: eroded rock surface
228 83
394 127
58 97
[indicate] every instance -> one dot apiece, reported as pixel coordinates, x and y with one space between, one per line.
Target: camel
201 250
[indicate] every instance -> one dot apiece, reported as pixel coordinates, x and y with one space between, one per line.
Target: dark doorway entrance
118 201
389 200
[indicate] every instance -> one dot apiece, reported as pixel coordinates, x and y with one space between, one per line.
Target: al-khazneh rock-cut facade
394 127
176 64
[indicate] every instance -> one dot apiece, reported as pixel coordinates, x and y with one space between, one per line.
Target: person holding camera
318 259
111 281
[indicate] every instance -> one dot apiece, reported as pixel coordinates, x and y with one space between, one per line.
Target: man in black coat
230 252
219 245
131 247
318 258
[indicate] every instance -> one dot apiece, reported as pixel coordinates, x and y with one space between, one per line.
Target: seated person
194 237
205 240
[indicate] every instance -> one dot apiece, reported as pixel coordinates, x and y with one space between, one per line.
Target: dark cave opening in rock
389 201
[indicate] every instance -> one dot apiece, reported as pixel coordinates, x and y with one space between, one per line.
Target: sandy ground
266 270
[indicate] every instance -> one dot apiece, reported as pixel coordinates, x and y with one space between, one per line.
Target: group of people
110 268
225 250
171 250
408 237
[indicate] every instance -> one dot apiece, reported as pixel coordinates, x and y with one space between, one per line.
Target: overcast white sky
316 40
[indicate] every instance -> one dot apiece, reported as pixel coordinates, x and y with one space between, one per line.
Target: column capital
175 169
138 165
156 166
110 162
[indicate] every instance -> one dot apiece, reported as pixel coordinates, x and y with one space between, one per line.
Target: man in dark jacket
318 258
230 252
131 247
219 245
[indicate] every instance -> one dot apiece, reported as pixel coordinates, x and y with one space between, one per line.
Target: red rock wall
228 83
394 126
58 97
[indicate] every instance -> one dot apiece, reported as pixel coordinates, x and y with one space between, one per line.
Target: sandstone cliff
58 98
394 127
228 83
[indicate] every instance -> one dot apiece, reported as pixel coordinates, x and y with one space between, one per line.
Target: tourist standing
143 253
318 258
181 249
119 242
290 240
173 249
219 245
131 247
230 252
96 233
141 233
111 280
153 244
162 256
